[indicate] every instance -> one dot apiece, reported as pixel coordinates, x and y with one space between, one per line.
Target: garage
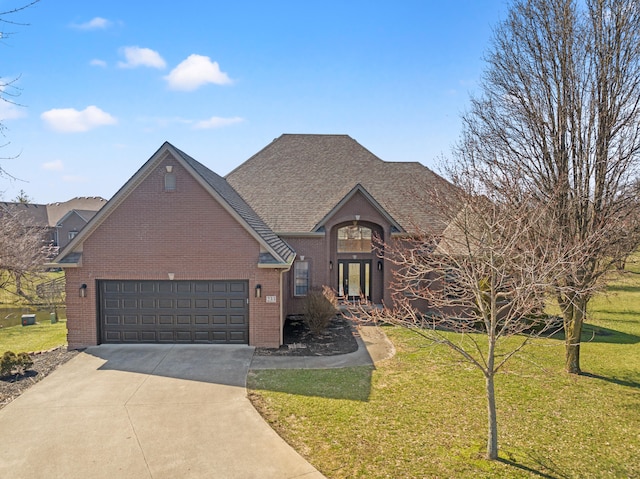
145 311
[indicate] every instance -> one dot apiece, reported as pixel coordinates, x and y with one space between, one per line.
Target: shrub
319 309
12 363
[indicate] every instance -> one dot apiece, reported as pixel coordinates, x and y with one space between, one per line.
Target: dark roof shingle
297 179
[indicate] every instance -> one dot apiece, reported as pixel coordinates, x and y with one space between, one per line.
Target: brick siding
152 233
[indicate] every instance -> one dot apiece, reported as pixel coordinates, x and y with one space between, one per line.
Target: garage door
174 311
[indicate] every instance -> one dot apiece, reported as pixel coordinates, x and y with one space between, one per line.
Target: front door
354 278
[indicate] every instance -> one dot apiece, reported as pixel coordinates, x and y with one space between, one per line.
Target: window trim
346 241
305 277
170 182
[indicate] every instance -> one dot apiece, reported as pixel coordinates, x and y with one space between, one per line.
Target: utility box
28 319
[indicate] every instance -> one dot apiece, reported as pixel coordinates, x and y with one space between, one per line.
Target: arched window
354 239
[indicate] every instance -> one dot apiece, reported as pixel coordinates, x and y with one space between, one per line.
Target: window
169 182
354 239
301 278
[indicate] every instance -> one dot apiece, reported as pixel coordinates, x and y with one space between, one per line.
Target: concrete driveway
147 411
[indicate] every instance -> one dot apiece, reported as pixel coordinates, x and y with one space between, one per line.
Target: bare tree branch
485 278
558 121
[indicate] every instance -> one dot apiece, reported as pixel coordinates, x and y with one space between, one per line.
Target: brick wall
152 233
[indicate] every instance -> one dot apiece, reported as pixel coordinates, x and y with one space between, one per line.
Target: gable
148 183
359 202
153 227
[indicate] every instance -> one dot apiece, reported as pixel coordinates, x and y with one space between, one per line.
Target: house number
271 299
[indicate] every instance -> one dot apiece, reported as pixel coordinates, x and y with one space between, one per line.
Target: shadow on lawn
531 470
623 288
353 384
598 334
621 382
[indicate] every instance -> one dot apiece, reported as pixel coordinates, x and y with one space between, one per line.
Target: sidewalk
373 346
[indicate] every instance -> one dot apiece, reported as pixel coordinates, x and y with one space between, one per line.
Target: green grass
423 414
38 337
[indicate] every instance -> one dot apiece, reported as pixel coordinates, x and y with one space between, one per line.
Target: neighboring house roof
294 182
50 214
28 213
85 215
276 251
87 204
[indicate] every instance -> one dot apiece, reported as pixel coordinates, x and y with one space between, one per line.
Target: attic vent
170 182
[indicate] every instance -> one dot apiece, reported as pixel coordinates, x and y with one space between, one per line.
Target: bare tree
23 252
559 117
8 88
485 279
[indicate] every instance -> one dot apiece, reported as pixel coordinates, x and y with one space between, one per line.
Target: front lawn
421 414
38 337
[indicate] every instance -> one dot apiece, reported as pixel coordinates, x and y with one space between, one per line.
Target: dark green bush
319 309
12 363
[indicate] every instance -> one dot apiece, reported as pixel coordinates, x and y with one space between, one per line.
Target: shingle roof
27 213
50 214
85 204
297 179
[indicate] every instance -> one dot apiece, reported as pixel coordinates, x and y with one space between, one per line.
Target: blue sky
104 83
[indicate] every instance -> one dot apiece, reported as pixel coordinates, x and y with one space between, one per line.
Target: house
59 222
180 254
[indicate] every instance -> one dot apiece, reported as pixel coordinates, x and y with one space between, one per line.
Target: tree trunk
492 437
573 316
18 277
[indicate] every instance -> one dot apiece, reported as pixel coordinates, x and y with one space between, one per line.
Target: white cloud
10 111
141 57
195 71
97 23
217 122
55 165
70 120
98 63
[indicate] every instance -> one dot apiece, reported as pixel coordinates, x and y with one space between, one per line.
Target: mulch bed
43 364
298 341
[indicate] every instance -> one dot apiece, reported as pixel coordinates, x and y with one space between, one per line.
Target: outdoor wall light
258 290
379 265
83 290
330 265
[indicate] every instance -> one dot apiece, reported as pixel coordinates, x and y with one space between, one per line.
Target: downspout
282 271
